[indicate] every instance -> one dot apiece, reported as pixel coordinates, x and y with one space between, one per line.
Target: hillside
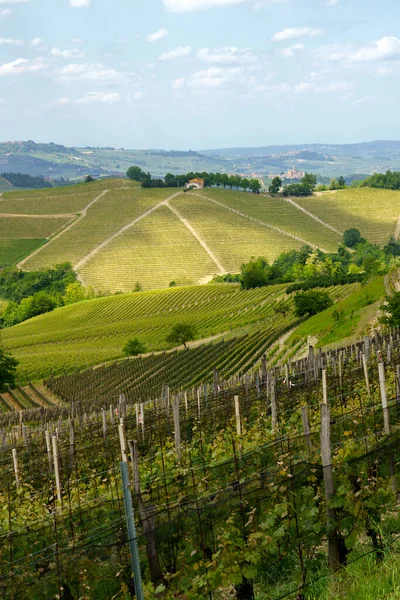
117 234
94 331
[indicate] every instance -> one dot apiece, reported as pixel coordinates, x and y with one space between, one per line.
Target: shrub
311 303
134 348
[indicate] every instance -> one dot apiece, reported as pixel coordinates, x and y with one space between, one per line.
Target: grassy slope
13 251
356 312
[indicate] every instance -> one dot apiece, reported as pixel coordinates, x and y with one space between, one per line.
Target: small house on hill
196 184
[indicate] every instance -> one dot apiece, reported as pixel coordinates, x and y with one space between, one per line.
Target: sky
199 74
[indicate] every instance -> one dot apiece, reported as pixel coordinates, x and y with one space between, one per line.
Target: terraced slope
91 332
374 212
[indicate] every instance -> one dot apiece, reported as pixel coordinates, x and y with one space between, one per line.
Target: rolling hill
117 234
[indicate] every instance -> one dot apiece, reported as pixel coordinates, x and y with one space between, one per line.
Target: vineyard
116 233
95 331
253 487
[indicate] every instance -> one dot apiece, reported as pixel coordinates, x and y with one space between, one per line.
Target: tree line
210 180
23 180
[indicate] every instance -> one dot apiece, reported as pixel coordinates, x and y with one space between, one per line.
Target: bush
134 348
8 370
352 237
297 189
311 303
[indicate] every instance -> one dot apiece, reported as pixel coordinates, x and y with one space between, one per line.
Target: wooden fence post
382 384
237 415
273 405
329 488
16 470
365 367
306 427
48 447
57 467
122 441
324 387
177 427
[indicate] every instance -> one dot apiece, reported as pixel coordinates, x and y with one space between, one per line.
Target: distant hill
56 161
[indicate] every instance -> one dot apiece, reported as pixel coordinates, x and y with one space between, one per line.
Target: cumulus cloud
91 72
177 53
181 6
325 88
37 42
79 3
157 35
22 65
73 53
291 50
387 48
292 33
227 56
10 42
90 98
216 78
5 12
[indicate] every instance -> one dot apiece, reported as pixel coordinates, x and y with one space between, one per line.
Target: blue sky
179 74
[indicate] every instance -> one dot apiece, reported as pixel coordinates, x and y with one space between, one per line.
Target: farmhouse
196 183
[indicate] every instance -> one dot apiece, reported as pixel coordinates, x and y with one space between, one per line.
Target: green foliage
135 173
341 182
8 369
352 237
392 247
134 347
389 181
275 185
282 308
14 250
296 189
255 273
16 284
89 179
391 310
310 181
181 333
311 303
22 180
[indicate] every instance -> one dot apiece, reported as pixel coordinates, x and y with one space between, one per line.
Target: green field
90 332
13 251
374 212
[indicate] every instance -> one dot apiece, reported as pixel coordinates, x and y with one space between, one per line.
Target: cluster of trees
210 180
311 267
389 180
27 181
8 370
37 292
305 188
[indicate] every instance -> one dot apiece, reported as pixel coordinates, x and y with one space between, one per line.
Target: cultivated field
94 331
117 234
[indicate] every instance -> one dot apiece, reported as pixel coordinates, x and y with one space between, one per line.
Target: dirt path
263 223
105 243
66 216
310 214
198 237
75 222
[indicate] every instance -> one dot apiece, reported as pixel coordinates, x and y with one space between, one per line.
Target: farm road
310 214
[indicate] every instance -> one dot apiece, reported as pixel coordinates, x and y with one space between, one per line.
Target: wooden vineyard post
71 442
237 415
15 463
112 415
324 387
198 403
177 427
57 467
141 416
329 488
306 427
48 447
122 441
365 367
264 372
398 390
186 401
273 405
382 384
104 418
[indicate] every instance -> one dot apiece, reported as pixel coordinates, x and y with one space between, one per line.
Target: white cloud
73 53
5 12
182 6
292 33
79 3
292 50
215 78
10 42
178 84
323 88
387 48
36 42
91 72
227 56
157 35
177 53
14 1
22 65
263 3
90 98
332 2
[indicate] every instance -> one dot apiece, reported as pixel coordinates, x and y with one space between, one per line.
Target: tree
391 310
281 308
310 181
311 302
341 182
255 273
352 237
181 333
74 292
134 348
8 369
255 186
89 179
275 186
135 173
296 189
